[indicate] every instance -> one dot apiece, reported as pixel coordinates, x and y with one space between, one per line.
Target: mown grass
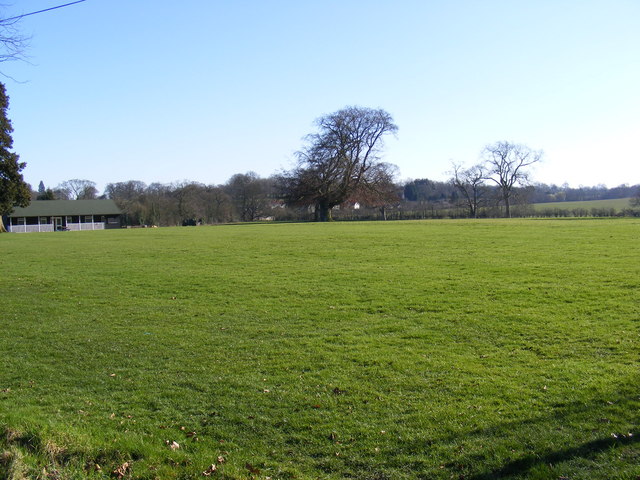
617 204
455 349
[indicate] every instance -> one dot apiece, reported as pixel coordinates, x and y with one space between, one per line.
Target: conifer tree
14 192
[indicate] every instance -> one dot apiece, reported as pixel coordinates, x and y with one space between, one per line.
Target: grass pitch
455 349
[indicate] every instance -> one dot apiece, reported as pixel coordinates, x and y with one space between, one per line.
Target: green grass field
617 204
400 350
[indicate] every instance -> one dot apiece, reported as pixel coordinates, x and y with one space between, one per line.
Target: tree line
340 175
248 198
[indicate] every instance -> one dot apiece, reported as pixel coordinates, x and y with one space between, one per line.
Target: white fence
47 227
31 228
85 226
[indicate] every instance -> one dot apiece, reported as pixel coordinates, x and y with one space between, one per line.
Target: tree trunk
507 210
323 212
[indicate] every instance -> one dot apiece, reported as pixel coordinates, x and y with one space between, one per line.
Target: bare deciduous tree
78 189
380 191
129 196
249 194
12 43
507 166
470 183
219 208
339 160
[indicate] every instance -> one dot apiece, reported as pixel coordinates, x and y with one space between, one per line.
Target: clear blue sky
198 90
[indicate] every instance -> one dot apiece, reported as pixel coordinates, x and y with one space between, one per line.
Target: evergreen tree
14 192
45 193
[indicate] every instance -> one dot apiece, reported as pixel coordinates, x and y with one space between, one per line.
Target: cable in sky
42 11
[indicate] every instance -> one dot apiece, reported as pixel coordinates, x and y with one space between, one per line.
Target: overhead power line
42 11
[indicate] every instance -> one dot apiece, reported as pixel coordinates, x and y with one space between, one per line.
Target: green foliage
13 189
459 349
45 193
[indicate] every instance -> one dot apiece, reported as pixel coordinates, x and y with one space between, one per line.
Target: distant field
616 203
377 350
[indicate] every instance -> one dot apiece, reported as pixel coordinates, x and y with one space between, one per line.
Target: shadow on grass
586 450
598 416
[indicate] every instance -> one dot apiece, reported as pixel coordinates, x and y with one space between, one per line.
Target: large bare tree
470 183
79 189
380 191
340 160
507 164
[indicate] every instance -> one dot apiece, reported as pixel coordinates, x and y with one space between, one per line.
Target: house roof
48 208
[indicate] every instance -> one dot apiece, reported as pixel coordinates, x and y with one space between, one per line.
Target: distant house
61 215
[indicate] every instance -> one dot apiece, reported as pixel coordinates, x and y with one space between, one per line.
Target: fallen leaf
212 468
173 445
252 469
122 470
221 459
